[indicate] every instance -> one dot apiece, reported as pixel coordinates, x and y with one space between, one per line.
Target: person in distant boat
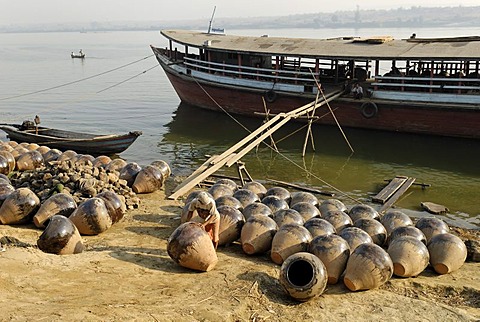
357 91
205 207
80 52
413 36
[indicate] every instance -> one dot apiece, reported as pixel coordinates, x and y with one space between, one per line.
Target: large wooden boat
85 143
428 86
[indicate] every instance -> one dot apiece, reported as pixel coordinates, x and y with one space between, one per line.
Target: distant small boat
94 144
79 55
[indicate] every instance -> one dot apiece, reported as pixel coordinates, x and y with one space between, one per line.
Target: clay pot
32 146
279 192
447 253
18 207
229 201
67 155
91 217
231 224
275 203
163 167
363 211
374 228
409 256
43 149
303 276
368 267
192 195
219 190
84 159
4 165
59 204
256 208
10 160
303 196
18 152
61 237
52 155
190 246
355 237
289 239
432 226
115 165
129 172
407 231
334 252
149 179
30 160
306 210
395 218
228 182
115 205
331 204
319 227
101 161
287 216
4 178
256 187
338 219
5 190
245 197
257 234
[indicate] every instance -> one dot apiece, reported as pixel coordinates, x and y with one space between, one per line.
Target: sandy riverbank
126 274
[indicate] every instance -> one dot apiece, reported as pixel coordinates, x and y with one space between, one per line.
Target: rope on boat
342 193
76 81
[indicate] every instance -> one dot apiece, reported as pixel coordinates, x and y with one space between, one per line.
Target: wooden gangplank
392 192
232 155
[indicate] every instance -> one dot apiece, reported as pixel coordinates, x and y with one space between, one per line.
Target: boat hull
367 113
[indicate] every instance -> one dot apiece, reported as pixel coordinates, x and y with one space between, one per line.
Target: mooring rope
278 152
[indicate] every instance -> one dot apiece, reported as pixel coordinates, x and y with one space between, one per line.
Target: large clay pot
331 204
395 218
289 239
4 165
279 192
84 159
59 204
334 252
319 227
228 182
115 165
5 189
256 208
409 256
219 190
191 246
431 226
61 237
52 155
256 187
275 203
19 206
306 210
363 211
149 179
407 231
30 160
229 201
246 197
368 267
129 172
447 253
303 196
67 155
10 160
303 276
355 237
163 167
18 152
338 219
374 228
192 195
231 223
43 149
287 216
115 205
4 178
91 217
257 234
102 160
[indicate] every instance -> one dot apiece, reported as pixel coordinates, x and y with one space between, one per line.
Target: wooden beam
389 190
397 195
307 189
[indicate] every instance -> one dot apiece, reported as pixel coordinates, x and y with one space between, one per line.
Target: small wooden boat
79 55
94 144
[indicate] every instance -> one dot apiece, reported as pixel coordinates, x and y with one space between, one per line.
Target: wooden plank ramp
392 192
232 155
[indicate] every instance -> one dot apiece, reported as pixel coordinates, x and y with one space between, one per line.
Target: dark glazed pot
303 196
289 239
275 203
447 253
59 204
355 237
338 219
363 211
279 192
256 208
149 179
129 172
331 204
395 218
91 217
256 187
219 190
303 276
190 246
319 227
306 209
334 252
61 237
246 197
407 231
431 226
19 207
409 256
231 224
374 228
115 205
287 216
257 234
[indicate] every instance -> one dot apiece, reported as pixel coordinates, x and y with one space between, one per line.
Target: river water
35 68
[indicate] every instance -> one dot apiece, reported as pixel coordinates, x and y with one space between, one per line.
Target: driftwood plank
389 190
407 184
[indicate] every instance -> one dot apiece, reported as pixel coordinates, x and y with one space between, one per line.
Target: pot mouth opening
300 273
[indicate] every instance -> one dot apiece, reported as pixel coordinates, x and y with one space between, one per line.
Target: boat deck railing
427 84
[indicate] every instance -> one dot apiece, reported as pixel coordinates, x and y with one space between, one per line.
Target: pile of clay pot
69 194
318 243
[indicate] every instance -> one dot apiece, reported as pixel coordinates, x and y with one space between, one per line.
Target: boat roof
377 47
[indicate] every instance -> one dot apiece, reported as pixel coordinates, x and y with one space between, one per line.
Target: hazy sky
51 11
